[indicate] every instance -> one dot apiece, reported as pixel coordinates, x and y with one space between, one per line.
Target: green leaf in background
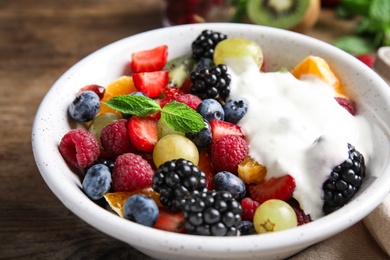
182 118
354 45
379 13
357 7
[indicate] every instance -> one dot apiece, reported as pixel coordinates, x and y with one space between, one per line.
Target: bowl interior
281 49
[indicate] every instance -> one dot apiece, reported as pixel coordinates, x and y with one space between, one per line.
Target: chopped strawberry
275 188
190 100
149 60
347 104
207 167
143 133
172 93
249 207
366 59
151 83
220 128
170 221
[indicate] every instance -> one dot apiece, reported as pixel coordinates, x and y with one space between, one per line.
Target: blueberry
84 107
226 181
235 109
246 228
135 93
202 138
97 181
141 209
211 109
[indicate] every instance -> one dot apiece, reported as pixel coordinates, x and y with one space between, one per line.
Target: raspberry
227 152
131 172
115 138
301 216
79 148
190 100
249 207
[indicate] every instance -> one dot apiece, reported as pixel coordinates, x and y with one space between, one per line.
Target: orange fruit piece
116 200
317 66
251 172
121 86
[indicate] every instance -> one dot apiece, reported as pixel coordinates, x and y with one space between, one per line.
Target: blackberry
211 82
212 213
204 44
175 179
344 181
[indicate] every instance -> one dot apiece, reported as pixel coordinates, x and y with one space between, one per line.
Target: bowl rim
119 228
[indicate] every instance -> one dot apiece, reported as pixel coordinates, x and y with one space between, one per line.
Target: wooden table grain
40 40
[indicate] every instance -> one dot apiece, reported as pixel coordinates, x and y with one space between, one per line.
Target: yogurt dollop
296 127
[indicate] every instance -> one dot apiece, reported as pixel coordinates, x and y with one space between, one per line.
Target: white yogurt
296 127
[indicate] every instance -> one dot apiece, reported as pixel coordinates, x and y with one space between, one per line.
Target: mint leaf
135 105
182 118
354 45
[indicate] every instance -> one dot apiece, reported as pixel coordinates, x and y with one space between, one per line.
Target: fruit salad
214 144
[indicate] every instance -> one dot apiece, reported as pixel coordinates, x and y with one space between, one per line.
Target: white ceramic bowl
282 49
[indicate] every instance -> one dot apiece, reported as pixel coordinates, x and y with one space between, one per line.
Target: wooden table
40 40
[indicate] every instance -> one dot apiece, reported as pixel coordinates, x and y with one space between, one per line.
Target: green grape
274 215
101 121
163 129
237 48
174 147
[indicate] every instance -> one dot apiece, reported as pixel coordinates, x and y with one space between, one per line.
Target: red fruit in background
149 60
366 59
347 104
151 83
330 3
221 128
206 165
99 90
143 133
170 221
249 207
227 152
115 138
79 148
280 188
131 172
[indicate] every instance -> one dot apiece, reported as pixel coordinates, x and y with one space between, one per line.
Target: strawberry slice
206 165
149 60
143 133
170 221
275 188
221 128
151 83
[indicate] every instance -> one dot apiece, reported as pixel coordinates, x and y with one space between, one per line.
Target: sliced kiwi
179 70
283 14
